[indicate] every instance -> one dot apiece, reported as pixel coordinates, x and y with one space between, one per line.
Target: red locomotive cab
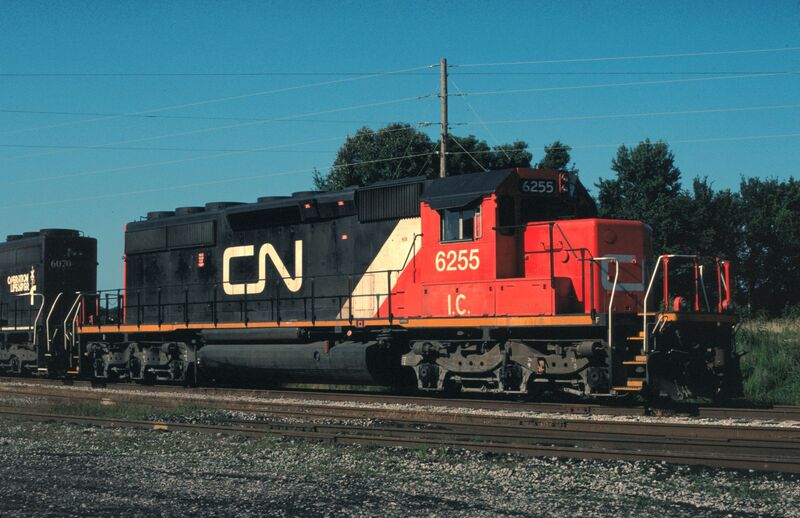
523 242
458 257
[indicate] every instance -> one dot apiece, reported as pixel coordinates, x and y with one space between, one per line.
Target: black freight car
41 274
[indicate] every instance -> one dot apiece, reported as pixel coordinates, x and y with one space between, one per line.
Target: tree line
756 226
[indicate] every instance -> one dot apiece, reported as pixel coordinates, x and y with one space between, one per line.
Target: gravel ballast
51 469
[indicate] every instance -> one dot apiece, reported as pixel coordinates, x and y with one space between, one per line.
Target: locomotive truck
501 282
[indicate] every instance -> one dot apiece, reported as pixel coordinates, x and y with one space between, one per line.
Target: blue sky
65 140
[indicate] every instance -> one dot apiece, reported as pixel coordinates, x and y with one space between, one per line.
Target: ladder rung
628 389
636 338
634 363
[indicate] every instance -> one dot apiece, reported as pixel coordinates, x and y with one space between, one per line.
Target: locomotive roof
461 190
439 193
31 237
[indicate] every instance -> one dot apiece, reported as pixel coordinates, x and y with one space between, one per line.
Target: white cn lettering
293 283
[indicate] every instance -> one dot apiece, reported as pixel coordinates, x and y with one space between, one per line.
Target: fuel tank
367 363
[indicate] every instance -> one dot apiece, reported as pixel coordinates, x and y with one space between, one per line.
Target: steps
634 385
639 359
635 365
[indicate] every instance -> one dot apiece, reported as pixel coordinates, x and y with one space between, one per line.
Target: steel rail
743 411
468 401
769 455
425 414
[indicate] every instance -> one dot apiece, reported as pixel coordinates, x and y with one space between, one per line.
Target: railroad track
777 412
744 410
750 448
744 447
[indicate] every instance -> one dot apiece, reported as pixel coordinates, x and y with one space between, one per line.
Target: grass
771 365
128 411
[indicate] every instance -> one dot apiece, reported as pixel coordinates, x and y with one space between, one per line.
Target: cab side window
458 225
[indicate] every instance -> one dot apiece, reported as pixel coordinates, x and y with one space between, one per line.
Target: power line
179 149
186 117
669 141
617 73
96 172
480 120
471 155
203 184
632 58
239 125
734 139
633 83
306 170
207 74
634 115
340 74
231 98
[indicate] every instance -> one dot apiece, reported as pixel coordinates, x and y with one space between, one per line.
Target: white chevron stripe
391 257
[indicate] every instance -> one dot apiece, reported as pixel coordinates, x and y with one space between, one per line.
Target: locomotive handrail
412 248
38 314
49 316
561 231
645 345
661 258
244 303
100 293
541 224
172 301
723 281
73 311
611 298
204 284
703 285
570 249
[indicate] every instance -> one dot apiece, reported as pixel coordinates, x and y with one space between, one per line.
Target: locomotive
497 282
43 272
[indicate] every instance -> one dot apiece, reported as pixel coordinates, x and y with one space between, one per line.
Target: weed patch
771 364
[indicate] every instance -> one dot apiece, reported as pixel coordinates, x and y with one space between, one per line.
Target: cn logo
267 250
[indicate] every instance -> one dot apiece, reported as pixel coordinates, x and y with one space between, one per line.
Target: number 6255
460 260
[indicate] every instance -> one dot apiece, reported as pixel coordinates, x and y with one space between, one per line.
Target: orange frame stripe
566 320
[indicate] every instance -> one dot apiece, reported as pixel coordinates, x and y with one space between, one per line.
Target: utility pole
443 96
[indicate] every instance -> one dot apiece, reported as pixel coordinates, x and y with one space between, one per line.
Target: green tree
467 155
401 151
470 154
770 255
648 187
716 220
370 156
506 156
556 156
